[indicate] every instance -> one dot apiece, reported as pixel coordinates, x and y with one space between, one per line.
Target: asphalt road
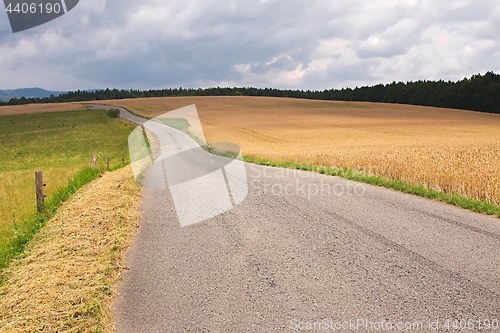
305 249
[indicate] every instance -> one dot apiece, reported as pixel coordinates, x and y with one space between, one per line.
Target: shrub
113 113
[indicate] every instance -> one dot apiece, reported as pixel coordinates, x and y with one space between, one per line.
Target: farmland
453 151
38 108
58 143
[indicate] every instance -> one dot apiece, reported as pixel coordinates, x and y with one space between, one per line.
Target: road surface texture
309 251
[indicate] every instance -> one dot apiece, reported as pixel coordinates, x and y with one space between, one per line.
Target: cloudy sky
262 43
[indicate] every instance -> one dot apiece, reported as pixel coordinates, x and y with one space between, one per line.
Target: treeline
478 93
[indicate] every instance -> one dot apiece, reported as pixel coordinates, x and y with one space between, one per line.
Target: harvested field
67 278
38 108
454 151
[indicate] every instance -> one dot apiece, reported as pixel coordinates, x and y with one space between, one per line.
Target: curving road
305 249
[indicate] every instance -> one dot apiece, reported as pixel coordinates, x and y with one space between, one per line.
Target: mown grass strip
26 230
67 278
456 200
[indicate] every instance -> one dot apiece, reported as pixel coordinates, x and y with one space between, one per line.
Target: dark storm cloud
289 44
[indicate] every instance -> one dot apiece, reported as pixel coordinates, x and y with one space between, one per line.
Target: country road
305 251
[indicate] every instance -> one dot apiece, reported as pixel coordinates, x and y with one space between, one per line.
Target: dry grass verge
66 280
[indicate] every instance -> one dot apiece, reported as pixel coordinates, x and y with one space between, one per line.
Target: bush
113 113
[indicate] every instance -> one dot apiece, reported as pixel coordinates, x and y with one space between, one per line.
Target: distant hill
6 95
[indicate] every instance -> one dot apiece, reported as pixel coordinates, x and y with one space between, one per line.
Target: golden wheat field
454 151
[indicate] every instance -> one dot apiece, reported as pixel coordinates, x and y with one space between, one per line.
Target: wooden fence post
40 197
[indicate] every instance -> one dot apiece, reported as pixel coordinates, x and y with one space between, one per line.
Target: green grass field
61 144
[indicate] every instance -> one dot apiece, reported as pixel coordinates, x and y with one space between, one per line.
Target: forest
477 93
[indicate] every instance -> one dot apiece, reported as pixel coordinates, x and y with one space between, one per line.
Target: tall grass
60 144
12 245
